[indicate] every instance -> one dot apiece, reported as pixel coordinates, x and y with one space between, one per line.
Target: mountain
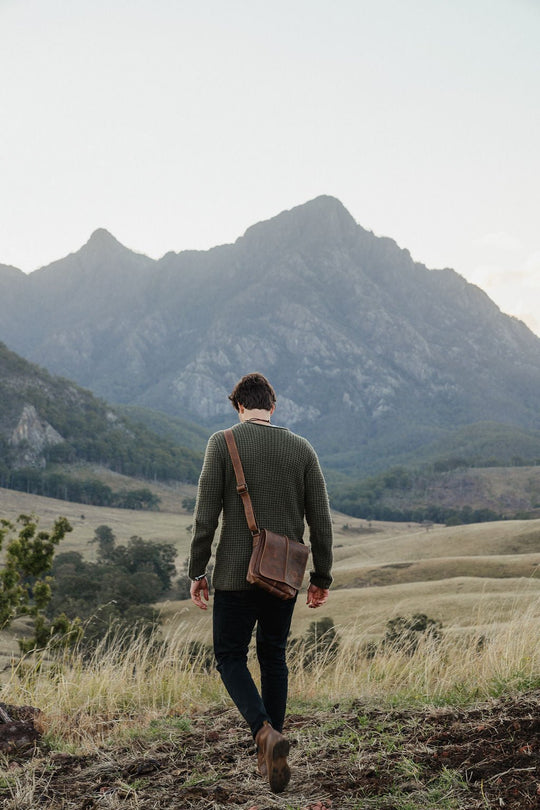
173 429
46 419
373 356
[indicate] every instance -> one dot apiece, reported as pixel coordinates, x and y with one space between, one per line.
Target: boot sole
280 773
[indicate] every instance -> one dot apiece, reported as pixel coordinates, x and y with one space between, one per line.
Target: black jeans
235 615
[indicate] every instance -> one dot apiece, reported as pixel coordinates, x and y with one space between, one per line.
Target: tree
24 584
116 592
105 539
139 556
137 499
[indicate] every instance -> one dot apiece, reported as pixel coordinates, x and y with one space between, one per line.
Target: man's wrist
198 579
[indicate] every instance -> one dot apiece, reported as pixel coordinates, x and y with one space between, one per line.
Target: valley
463 576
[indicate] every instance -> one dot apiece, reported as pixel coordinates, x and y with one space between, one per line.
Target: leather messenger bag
277 563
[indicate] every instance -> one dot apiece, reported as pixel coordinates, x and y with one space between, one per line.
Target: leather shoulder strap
241 486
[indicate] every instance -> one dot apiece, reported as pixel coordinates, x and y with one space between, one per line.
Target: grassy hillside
463 604
460 575
168 526
450 491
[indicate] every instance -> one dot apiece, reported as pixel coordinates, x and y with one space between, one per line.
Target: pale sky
177 124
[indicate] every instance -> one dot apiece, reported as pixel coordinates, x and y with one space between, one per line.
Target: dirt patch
347 758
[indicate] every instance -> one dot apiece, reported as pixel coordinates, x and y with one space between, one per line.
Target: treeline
381 497
430 514
64 487
456 463
137 454
124 448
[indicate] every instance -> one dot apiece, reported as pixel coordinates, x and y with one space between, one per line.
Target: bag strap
241 486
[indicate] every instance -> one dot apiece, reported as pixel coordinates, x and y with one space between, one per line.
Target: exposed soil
346 758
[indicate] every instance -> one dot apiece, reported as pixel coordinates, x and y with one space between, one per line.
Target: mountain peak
102 238
102 246
320 220
324 205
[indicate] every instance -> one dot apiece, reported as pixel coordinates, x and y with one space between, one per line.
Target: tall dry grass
462 666
123 682
498 651
87 700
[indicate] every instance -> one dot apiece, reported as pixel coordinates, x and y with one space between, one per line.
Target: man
286 487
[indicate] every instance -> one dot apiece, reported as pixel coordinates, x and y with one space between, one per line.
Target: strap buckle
242 488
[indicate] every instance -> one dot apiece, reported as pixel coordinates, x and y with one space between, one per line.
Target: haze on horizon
178 125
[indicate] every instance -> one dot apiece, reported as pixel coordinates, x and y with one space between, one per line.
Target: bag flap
282 559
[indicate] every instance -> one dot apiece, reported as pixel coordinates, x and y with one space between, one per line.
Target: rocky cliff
31 437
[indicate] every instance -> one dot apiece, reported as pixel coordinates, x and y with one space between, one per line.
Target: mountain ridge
365 346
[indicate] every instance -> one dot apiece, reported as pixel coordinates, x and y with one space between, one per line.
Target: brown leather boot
261 763
272 751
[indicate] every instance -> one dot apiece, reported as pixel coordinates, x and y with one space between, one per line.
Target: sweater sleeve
319 520
207 509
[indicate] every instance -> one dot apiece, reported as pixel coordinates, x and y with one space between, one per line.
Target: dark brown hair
254 392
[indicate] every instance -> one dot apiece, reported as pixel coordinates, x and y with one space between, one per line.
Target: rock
32 436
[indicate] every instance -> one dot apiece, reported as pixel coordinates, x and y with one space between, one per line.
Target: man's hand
316 596
198 591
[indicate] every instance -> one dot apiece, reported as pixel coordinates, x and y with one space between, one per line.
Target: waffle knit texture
286 487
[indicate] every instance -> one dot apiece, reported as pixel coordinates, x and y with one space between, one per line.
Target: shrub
404 634
188 503
319 645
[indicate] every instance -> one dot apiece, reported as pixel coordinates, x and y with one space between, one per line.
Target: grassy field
461 575
169 525
453 727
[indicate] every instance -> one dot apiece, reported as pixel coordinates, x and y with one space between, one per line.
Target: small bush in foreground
24 585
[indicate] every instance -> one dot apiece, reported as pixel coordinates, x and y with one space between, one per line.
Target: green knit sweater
286 487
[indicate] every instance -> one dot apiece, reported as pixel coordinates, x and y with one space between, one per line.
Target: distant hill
173 429
375 358
47 420
454 495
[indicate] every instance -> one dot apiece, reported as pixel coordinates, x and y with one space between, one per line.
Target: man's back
285 484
